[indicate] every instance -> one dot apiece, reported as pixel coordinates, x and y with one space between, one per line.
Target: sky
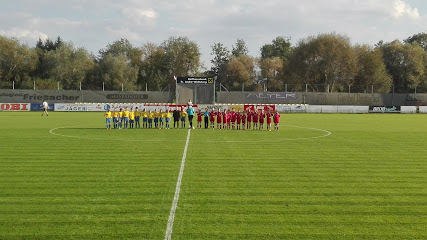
93 24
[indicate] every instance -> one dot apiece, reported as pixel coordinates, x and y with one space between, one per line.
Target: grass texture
322 176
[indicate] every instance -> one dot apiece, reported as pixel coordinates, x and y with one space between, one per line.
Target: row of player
220 119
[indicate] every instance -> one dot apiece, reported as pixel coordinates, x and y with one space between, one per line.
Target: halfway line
169 228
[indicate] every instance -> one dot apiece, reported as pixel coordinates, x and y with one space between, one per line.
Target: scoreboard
195 80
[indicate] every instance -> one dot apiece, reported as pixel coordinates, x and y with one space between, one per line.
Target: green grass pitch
322 176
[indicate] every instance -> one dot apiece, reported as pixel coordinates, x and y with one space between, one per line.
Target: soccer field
322 176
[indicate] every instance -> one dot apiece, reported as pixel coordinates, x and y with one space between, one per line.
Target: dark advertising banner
195 80
39 107
85 96
384 109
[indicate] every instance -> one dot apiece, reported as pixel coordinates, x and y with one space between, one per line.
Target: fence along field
365 180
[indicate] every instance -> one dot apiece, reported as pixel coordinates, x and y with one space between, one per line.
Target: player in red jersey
244 117
233 119
276 118
225 119
219 119
255 119
249 119
238 119
212 115
268 116
261 120
199 118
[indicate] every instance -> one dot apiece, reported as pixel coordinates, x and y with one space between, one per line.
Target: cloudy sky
95 23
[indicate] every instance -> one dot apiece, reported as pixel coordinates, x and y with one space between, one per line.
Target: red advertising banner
260 107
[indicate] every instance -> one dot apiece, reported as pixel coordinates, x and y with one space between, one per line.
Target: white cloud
401 9
24 34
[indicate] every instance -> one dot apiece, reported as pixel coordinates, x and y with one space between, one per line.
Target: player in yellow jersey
150 117
108 119
144 116
183 114
116 119
126 114
167 116
161 119
131 118
137 115
156 118
120 118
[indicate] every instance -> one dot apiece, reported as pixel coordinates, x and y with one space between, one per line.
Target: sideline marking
171 218
328 133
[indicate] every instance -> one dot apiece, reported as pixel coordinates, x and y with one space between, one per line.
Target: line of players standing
221 119
239 120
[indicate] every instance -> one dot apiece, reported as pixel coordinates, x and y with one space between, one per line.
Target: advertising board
39 107
384 109
70 107
15 107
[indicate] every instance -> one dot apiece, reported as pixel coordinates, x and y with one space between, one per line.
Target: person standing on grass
206 116
261 120
190 112
144 115
131 118
212 115
108 119
276 118
255 119
176 116
268 116
168 116
137 115
161 119
126 114
238 119
45 106
249 119
156 118
183 114
219 120
244 120
199 118
120 118
150 117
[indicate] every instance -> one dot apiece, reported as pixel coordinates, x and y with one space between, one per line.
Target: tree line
326 62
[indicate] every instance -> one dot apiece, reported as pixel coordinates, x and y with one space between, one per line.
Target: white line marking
169 228
52 131
327 133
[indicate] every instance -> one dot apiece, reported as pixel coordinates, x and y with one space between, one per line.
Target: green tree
280 47
325 60
69 65
220 61
239 48
406 65
371 70
420 38
272 70
17 62
182 56
240 70
123 47
154 67
115 71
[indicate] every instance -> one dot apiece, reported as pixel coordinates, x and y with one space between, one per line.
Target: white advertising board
423 109
353 109
287 108
70 107
408 109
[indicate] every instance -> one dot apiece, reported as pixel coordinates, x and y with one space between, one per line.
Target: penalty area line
171 218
